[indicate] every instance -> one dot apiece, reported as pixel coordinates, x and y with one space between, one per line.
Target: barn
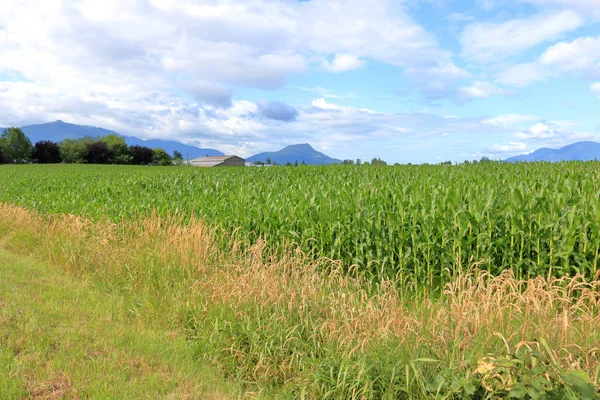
218 161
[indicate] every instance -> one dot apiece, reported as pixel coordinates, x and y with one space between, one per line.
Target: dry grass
180 267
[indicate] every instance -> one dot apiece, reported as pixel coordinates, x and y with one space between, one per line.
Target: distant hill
580 151
297 152
59 130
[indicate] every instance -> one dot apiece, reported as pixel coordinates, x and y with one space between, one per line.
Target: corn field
423 223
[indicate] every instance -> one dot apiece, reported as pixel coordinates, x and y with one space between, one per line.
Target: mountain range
58 130
580 151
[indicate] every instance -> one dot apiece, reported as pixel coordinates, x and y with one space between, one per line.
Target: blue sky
404 80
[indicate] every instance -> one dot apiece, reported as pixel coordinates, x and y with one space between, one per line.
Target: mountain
580 151
58 131
297 152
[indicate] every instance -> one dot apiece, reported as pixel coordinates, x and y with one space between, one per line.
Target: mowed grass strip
62 338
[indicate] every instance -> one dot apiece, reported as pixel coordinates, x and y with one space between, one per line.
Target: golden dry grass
180 265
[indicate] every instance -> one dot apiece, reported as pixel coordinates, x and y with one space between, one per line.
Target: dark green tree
17 147
119 151
142 155
46 152
98 153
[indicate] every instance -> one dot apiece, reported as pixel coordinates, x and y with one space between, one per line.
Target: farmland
422 222
469 281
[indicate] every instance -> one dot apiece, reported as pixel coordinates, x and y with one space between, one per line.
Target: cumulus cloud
511 147
343 63
590 7
479 90
277 111
579 57
522 75
553 134
595 88
538 131
187 55
509 120
492 42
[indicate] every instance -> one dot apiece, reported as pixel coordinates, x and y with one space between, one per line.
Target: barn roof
213 159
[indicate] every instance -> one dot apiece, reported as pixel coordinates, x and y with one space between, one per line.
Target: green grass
423 223
293 327
60 337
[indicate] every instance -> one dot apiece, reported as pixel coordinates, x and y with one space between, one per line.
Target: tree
348 162
142 155
378 161
296 163
3 158
119 151
161 158
268 161
74 151
46 152
177 158
16 146
98 153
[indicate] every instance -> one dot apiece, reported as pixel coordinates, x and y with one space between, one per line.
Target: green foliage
425 222
16 147
119 151
141 155
177 158
74 151
46 152
532 373
378 161
161 158
98 153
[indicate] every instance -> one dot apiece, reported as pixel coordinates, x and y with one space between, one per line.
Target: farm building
218 161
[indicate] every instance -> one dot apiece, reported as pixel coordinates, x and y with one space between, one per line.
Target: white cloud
552 134
537 131
110 50
590 7
328 94
479 90
511 147
522 75
343 63
595 88
324 105
492 42
579 58
509 120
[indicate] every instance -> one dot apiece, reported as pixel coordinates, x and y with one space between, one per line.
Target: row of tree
374 161
15 147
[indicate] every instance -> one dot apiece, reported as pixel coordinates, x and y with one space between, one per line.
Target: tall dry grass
306 327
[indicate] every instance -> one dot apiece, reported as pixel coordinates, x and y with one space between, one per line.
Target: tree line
16 148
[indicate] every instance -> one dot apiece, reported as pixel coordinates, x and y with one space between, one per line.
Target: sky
408 81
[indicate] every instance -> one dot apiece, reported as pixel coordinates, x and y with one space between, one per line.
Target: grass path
62 338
